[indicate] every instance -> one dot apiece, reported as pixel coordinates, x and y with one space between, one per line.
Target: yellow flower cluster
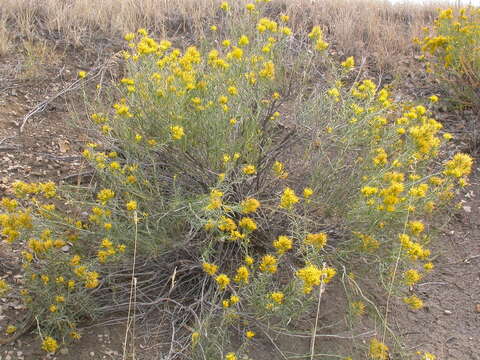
378 350
13 221
283 244
249 205
450 48
49 344
369 243
414 250
268 264
215 200
411 277
279 170
414 302
47 189
313 276
318 240
288 199
316 34
459 166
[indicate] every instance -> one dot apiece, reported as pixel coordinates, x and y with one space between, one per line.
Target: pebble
447 312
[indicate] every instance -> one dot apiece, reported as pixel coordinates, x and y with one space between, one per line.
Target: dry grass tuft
5 36
375 29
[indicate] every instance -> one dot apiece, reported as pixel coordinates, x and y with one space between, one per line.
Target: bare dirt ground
47 149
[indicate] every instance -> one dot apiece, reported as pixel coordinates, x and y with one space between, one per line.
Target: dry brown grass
5 36
373 28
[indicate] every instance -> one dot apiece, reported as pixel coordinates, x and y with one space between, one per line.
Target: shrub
451 49
217 191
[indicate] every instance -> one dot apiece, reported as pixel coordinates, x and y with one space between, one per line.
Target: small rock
447 312
92 353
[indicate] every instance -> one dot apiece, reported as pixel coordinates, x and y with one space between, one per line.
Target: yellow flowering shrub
451 50
197 174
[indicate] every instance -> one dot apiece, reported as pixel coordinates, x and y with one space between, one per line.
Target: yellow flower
277 296
176 132
129 36
53 308
250 7
249 169
82 74
75 260
227 224
213 28
49 344
105 195
249 334
428 266
60 299
234 299
11 329
288 199
268 264
313 276
283 244
381 158
224 6
279 170
75 335
142 31
231 356
378 350
247 223
223 281
369 190
307 192
91 280
131 205
414 302
249 205
210 269
348 63
232 90
428 356
318 240
416 227
433 98
195 337
4 287
215 200
460 165
243 40
411 277
268 70
315 33
249 260
321 45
